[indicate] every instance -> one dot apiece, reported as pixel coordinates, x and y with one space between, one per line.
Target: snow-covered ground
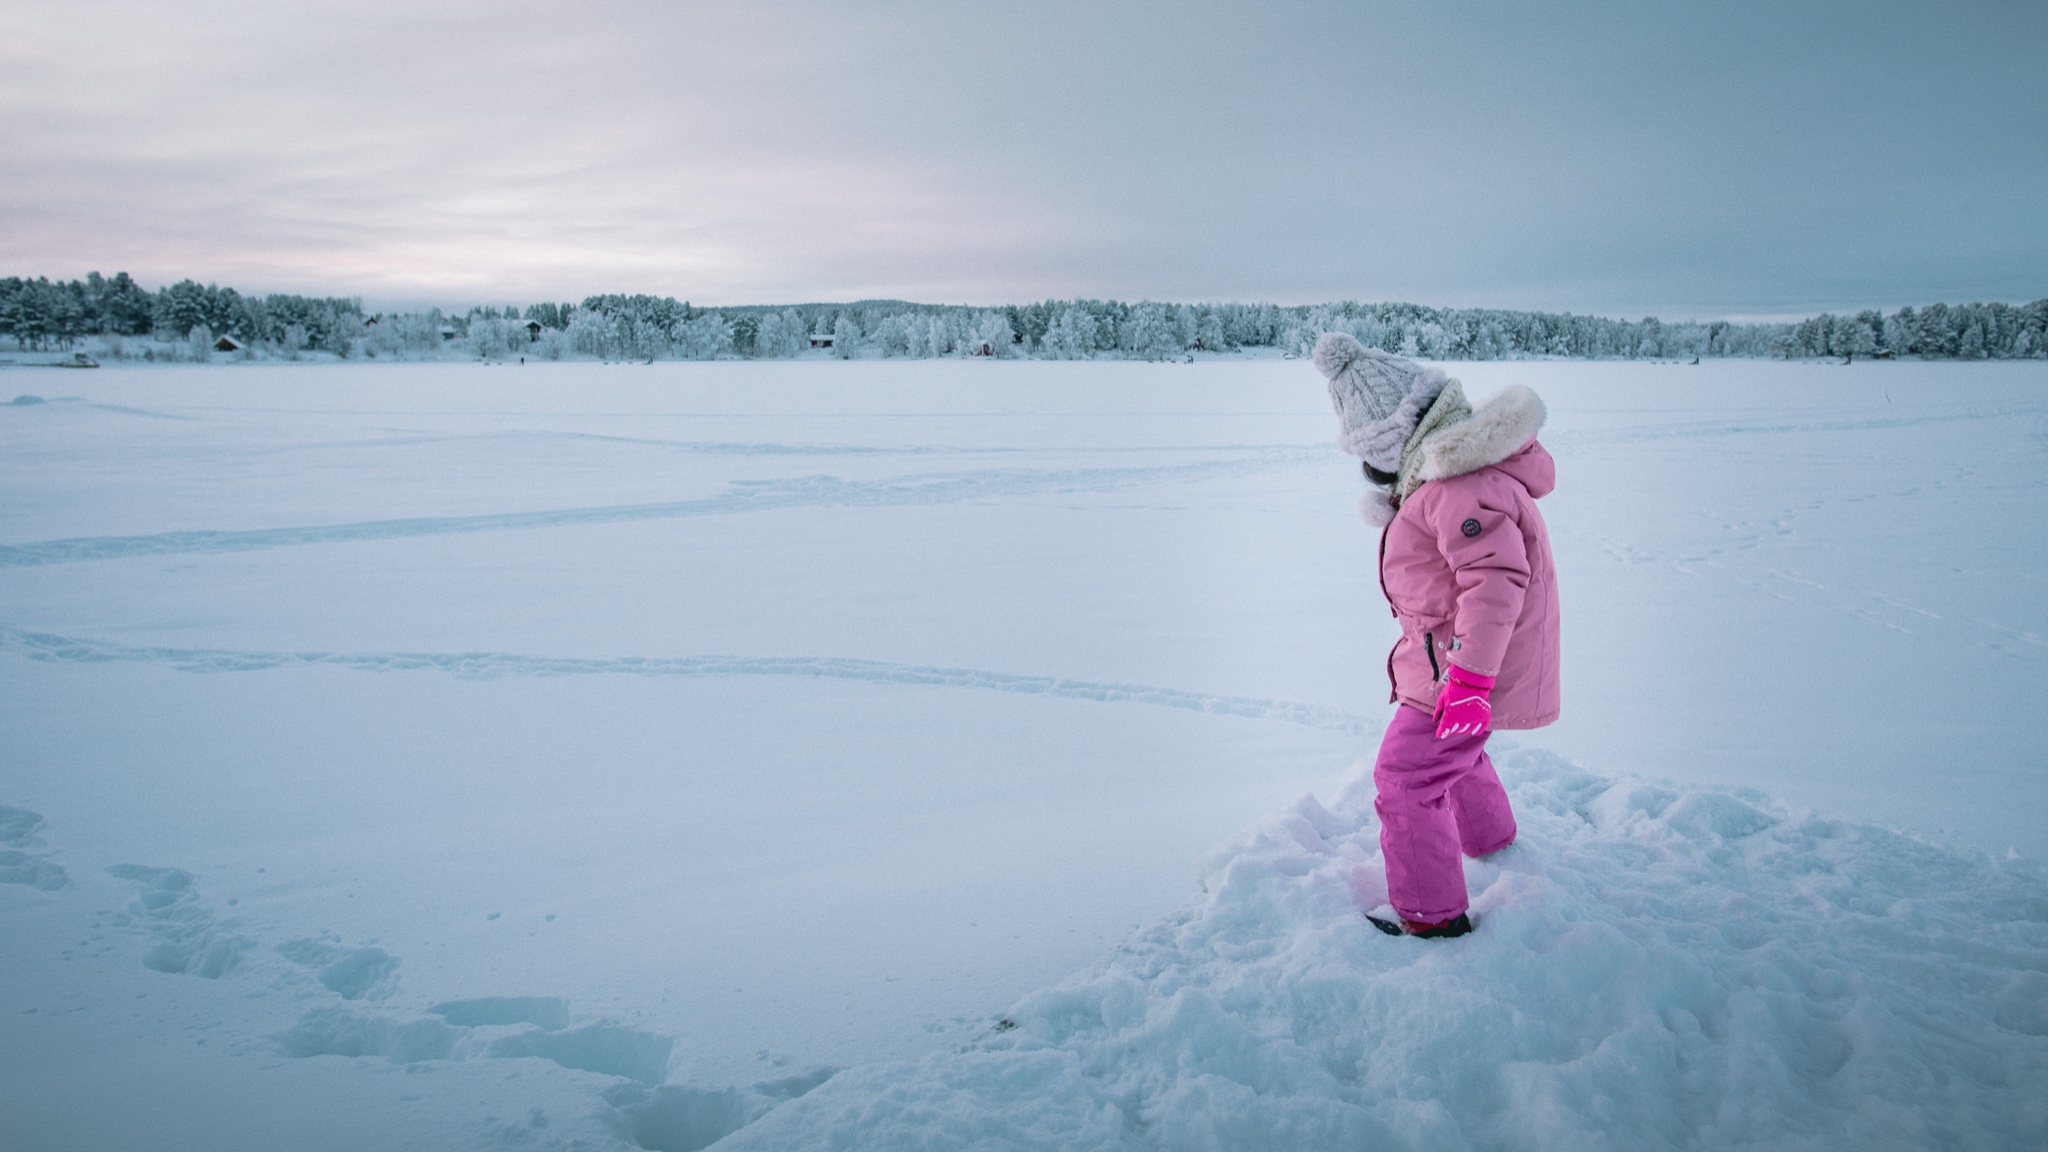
580 755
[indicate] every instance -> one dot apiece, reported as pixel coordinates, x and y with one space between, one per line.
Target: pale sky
1683 159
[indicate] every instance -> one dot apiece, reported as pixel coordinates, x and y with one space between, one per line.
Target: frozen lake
752 717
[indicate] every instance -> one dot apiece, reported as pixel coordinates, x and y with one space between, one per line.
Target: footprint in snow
354 973
490 1028
19 863
190 939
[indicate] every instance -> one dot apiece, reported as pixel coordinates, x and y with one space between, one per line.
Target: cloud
1600 157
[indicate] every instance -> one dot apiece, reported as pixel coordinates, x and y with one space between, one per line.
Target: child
1465 563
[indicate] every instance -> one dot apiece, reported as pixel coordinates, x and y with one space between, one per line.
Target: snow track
334 997
489 665
740 497
1713 429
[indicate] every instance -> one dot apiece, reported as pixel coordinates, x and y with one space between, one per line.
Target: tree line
41 313
184 321
1938 331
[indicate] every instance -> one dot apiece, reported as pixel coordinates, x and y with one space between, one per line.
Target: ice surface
670 737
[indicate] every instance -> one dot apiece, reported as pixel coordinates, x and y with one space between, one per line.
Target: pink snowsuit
1466 566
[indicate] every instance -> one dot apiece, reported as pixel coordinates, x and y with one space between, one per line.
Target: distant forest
189 321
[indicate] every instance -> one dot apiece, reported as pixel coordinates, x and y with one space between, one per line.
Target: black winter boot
1456 926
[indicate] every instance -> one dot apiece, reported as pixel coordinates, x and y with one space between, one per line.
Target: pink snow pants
1437 798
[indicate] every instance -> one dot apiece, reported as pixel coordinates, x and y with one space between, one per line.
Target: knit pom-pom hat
1378 397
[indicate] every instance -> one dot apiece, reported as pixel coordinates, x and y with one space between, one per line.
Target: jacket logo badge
1469 527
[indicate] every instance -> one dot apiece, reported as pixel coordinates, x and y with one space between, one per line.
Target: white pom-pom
1377 507
1335 352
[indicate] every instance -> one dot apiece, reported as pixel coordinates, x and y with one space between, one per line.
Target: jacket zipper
1429 642
1383 571
1393 685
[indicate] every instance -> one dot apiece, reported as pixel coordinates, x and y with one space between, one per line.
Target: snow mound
1654 967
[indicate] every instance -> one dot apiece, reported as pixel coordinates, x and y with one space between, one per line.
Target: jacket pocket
1413 665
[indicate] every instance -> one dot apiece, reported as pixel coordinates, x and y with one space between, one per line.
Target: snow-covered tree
1153 332
1973 343
943 334
1859 337
592 333
705 337
1072 335
992 332
781 334
1898 333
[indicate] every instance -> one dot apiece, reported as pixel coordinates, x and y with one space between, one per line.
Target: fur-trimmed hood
1495 433
1496 430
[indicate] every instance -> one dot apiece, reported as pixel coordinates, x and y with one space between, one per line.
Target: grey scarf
1449 408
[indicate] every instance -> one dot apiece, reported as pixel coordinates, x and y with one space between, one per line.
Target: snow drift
1654 967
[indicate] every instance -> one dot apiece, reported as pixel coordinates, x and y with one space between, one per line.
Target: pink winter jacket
1466 565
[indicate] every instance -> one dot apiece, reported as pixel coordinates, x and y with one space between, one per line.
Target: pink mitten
1463 708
